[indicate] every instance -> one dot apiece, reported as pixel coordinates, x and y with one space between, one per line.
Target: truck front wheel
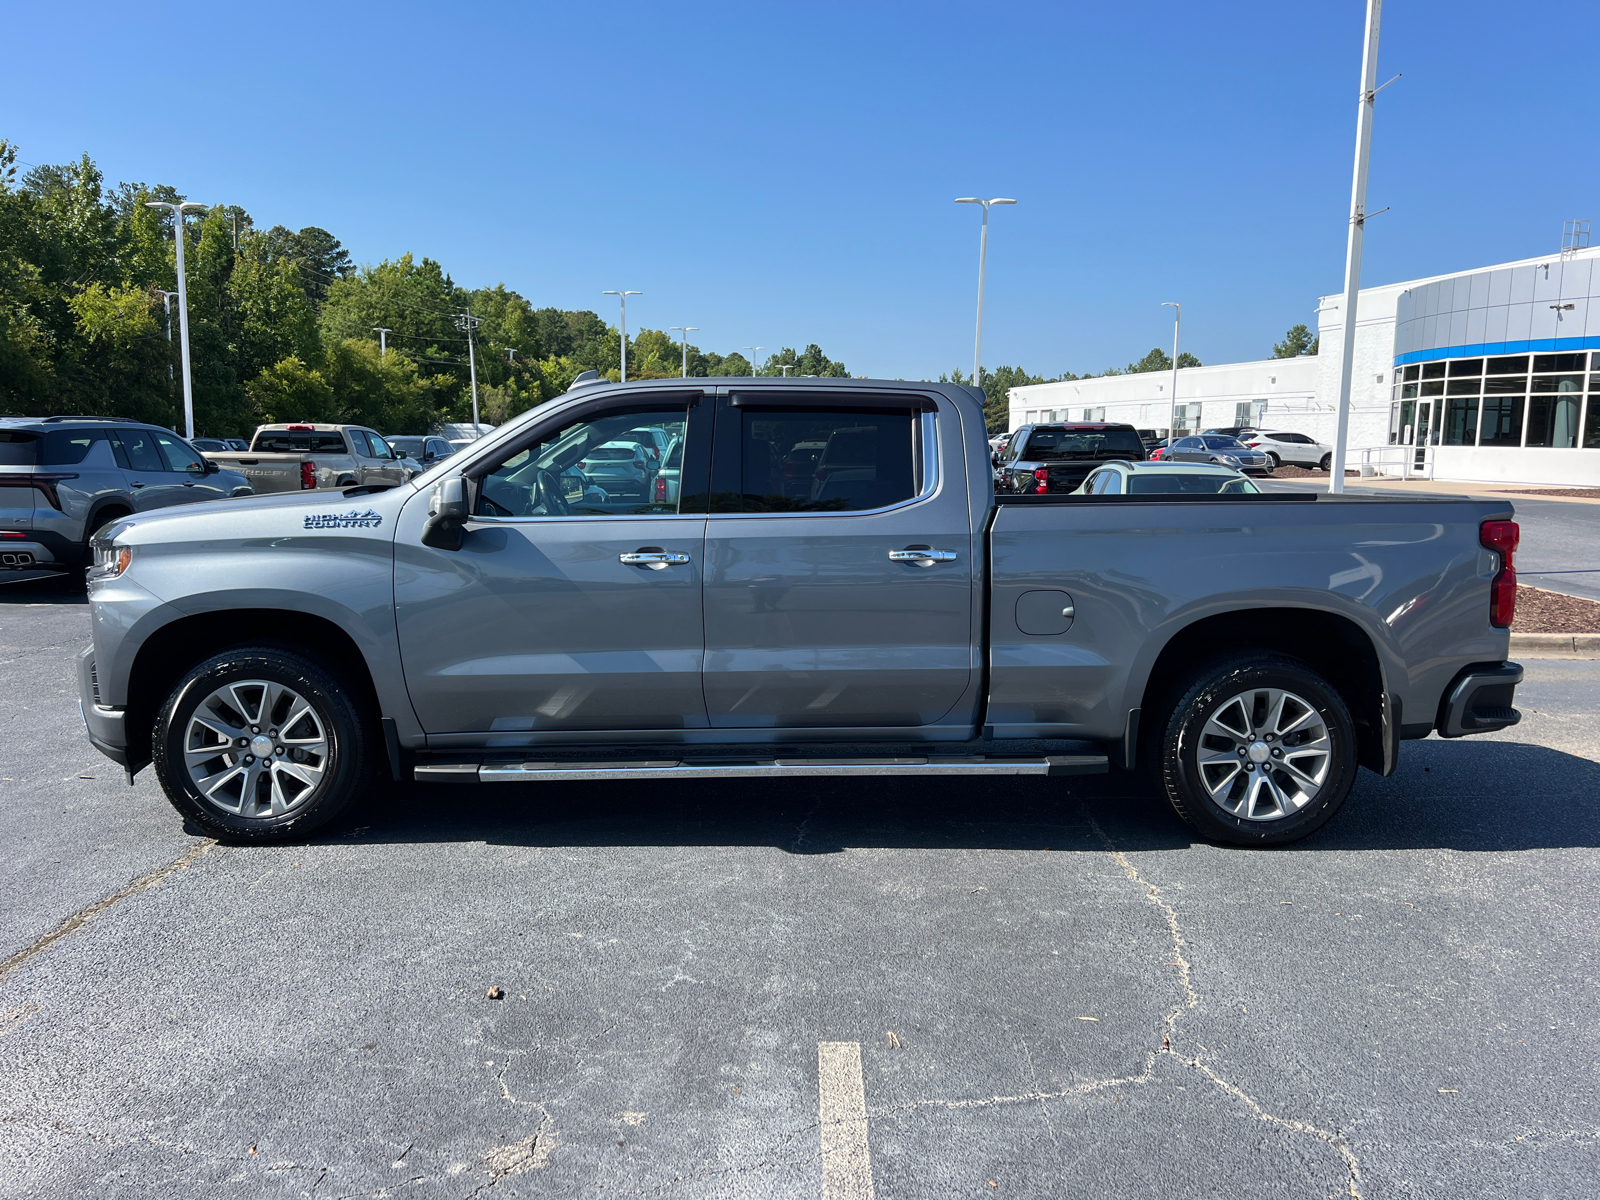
1257 752
259 744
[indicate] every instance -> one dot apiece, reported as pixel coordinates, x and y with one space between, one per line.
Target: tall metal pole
1352 257
623 296
178 211
383 340
983 255
166 308
754 370
686 330
467 323
1172 416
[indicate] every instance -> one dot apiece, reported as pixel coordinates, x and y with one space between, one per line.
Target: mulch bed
1539 611
1581 493
1290 472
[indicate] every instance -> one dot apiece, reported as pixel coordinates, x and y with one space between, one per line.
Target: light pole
166 308
686 330
1352 255
467 323
623 296
1172 413
383 340
754 370
511 355
178 212
983 253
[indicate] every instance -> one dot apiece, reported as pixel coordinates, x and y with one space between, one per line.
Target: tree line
282 324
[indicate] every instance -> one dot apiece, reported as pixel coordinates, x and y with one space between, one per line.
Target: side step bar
761 768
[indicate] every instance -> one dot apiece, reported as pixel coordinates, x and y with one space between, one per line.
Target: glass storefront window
1558 362
1408 391
1461 422
1415 372
1553 421
1509 366
1502 421
1463 387
1558 383
1466 366
1436 388
1405 416
1591 424
1433 370
1516 384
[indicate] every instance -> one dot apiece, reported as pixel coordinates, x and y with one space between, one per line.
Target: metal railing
1398 462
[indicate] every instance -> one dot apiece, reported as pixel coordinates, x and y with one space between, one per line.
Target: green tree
292 391
1296 342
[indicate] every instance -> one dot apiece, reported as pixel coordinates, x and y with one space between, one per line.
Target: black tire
1184 736
1273 461
1326 464
343 768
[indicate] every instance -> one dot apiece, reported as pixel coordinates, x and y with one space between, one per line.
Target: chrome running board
758 768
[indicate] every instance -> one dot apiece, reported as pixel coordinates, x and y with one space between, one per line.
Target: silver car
62 478
1220 448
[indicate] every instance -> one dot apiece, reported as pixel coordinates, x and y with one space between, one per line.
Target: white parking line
846 1162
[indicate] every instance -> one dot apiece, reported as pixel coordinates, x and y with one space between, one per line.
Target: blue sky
777 175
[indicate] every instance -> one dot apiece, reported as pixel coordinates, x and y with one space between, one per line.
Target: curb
1556 645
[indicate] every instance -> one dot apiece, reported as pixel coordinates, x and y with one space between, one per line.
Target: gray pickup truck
304 457
868 608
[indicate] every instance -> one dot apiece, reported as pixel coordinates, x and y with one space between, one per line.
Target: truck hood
272 515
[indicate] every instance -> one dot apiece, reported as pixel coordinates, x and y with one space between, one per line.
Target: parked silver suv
62 478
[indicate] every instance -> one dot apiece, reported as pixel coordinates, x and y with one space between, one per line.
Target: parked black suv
1057 458
62 478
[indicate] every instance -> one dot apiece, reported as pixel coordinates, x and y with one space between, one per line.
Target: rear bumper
105 726
1479 700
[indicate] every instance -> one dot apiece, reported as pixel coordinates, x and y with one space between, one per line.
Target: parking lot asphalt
1054 989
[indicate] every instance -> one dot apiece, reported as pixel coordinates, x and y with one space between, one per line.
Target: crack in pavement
1190 999
82 917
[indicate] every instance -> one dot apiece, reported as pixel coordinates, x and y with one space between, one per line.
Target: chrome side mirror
448 510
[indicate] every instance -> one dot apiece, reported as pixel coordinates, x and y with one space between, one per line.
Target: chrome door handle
922 556
656 560
136 483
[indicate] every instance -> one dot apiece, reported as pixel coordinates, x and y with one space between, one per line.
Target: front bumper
105 726
1479 700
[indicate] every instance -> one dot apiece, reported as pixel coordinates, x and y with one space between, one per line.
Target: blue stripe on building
1481 349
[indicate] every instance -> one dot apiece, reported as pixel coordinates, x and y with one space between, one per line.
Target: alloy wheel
256 749
1264 754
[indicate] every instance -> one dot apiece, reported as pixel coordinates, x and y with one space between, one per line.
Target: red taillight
1042 475
1502 537
661 491
300 428
308 476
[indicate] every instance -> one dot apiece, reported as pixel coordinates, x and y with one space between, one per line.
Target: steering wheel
549 495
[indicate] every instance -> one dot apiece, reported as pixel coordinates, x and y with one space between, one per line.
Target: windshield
1224 443
1197 484
407 445
1048 445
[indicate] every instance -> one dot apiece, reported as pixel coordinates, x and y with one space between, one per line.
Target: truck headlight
110 560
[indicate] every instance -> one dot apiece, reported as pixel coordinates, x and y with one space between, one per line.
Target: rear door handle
137 484
656 560
922 556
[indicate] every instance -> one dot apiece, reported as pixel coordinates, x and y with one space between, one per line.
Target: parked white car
1296 449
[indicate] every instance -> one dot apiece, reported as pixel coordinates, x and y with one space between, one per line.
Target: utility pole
383 333
468 323
1352 256
166 308
686 330
754 370
178 211
1172 415
983 253
623 296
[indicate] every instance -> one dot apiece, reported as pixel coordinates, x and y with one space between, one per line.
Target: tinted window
1559 362
1467 366
821 460
210 445
178 456
1433 370
64 447
612 453
1057 445
18 449
1509 366
549 479
359 441
440 447
283 441
1196 484
1223 443
1502 422
407 445
140 447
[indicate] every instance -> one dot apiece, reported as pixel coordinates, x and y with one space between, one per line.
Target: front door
839 567
1423 437
565 609
152 481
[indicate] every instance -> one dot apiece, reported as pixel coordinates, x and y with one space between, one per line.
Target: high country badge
344 520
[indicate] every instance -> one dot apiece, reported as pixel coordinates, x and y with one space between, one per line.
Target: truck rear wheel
258 744
1257 752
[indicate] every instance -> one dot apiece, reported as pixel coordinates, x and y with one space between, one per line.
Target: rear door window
139 445
805 458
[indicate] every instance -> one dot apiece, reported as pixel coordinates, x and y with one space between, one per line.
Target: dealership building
1490 375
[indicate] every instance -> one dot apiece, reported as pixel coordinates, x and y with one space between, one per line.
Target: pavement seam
83 916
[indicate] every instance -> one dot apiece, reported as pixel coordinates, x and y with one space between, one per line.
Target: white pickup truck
304 457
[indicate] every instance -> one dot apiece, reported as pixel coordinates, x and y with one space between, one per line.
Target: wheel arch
171 650
1334 646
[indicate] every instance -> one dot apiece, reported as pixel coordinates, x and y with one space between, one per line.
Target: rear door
840 597
566 608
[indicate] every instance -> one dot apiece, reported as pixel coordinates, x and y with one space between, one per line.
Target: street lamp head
969 200
1002 201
